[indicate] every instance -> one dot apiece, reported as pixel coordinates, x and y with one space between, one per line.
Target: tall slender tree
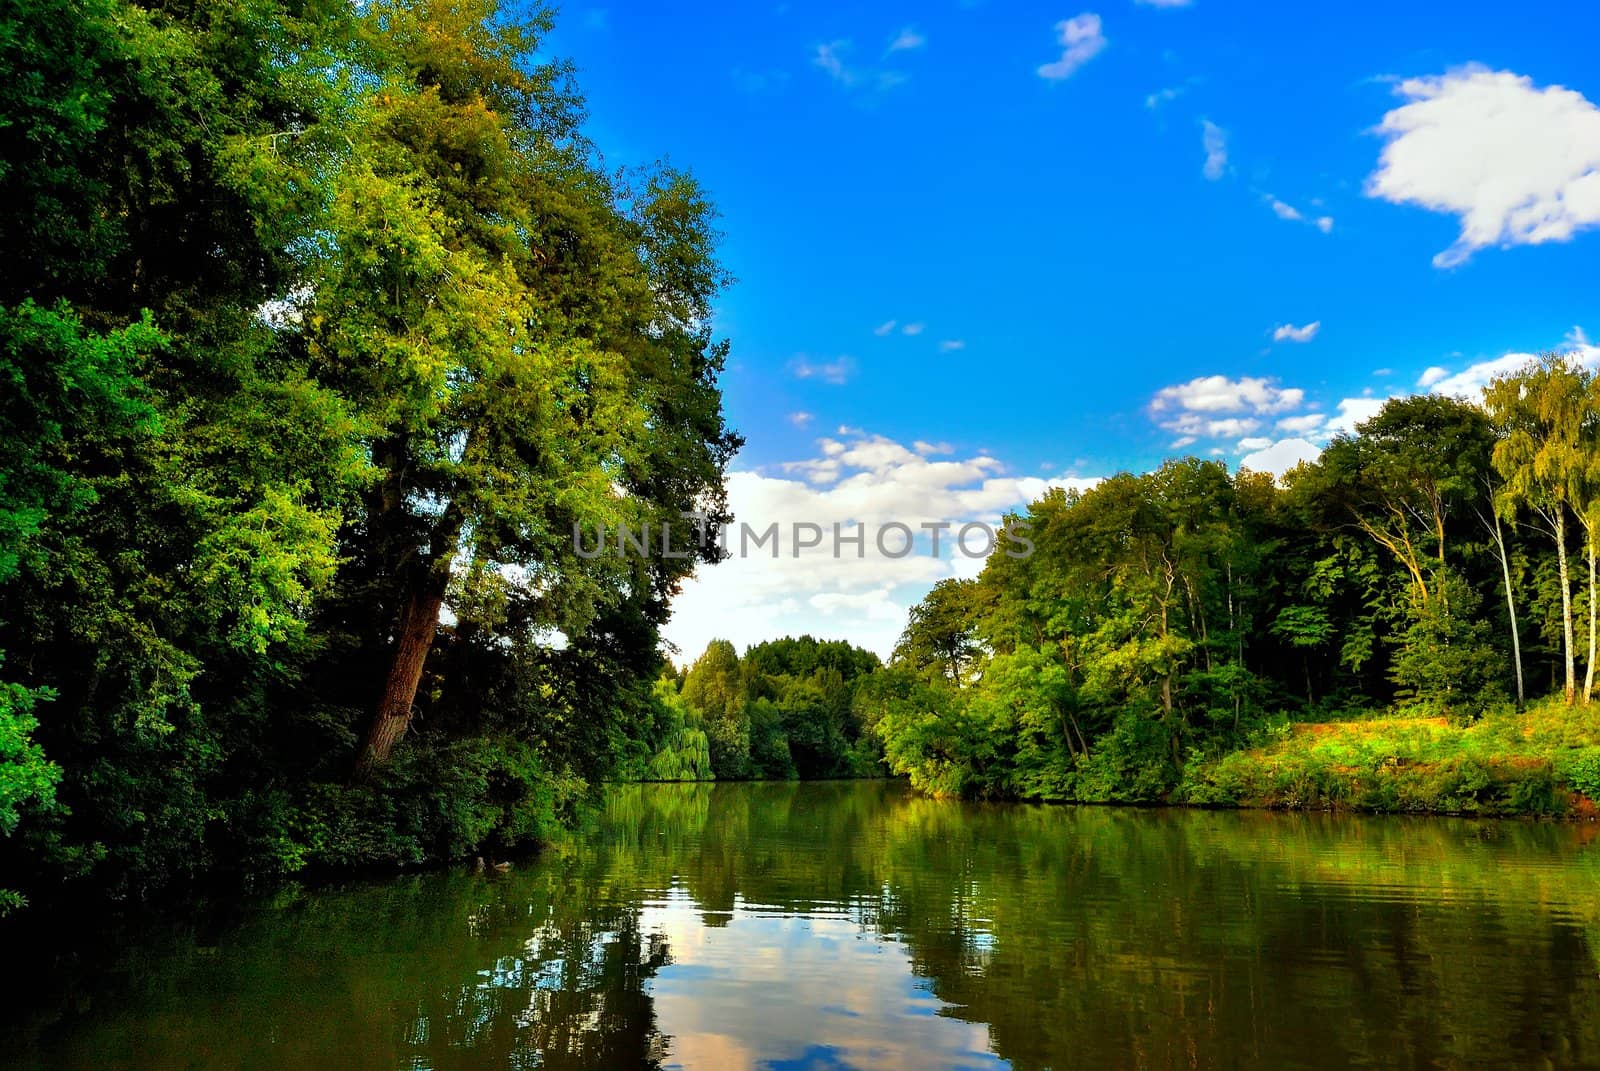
1542 412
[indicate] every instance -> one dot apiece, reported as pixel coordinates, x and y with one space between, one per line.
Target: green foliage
787 710
1173 627
301 343
685 750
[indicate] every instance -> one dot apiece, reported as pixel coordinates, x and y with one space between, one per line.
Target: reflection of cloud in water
810 992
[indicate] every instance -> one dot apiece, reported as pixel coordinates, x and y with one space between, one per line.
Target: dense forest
1437 566
1367 632
322 327
317 319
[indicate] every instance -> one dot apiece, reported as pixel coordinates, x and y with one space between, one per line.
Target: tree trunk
415 628
1588 670
1511 604
418 624
1566 602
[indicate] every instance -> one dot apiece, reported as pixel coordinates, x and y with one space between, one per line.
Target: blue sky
1094 220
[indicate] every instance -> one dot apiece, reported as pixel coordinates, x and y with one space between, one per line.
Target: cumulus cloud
1215 142
949 345
1291 333
854 478
1231 427
1219 394
836 372
801 419
1304 424
913 329
884 328
1353 411
1280 457
1216 407
1081 40
1517 164
1470 381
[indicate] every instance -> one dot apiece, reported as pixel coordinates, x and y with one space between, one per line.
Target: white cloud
1471 380
801 419
1285 211
835 372
1353 411
1231 427
1517 164
1219 394
1304 424
1081 40
1291 333
830 57
914 329
1281 456
884 328
1164 96
1215 141
853 479
951 344
906 40
1255 442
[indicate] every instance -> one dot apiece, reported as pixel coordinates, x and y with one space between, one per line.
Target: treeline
787 710
1440 561
321 323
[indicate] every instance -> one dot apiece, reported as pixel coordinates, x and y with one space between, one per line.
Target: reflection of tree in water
1111 938
1078 937
573 997
545 967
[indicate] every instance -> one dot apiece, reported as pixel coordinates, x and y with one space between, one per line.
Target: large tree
1545 457
525 340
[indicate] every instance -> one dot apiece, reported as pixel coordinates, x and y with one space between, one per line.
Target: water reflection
854 926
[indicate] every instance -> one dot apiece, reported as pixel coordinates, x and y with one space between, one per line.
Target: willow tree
523 337
1545 457
715 689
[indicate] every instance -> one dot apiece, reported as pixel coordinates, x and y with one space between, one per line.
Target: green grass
1544 761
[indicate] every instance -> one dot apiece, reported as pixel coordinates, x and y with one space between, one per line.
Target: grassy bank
1544 761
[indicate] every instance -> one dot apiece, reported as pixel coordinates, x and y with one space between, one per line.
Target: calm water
847 925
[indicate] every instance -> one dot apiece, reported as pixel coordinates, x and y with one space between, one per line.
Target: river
855 925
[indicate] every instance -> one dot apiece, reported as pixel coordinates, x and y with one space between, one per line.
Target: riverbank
857 924
1543 762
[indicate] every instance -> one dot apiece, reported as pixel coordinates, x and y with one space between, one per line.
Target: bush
479 796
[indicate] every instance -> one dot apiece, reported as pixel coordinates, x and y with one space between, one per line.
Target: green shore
1542 762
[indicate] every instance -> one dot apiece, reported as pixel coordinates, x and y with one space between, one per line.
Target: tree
529 359
715 688
1542 412
940 636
